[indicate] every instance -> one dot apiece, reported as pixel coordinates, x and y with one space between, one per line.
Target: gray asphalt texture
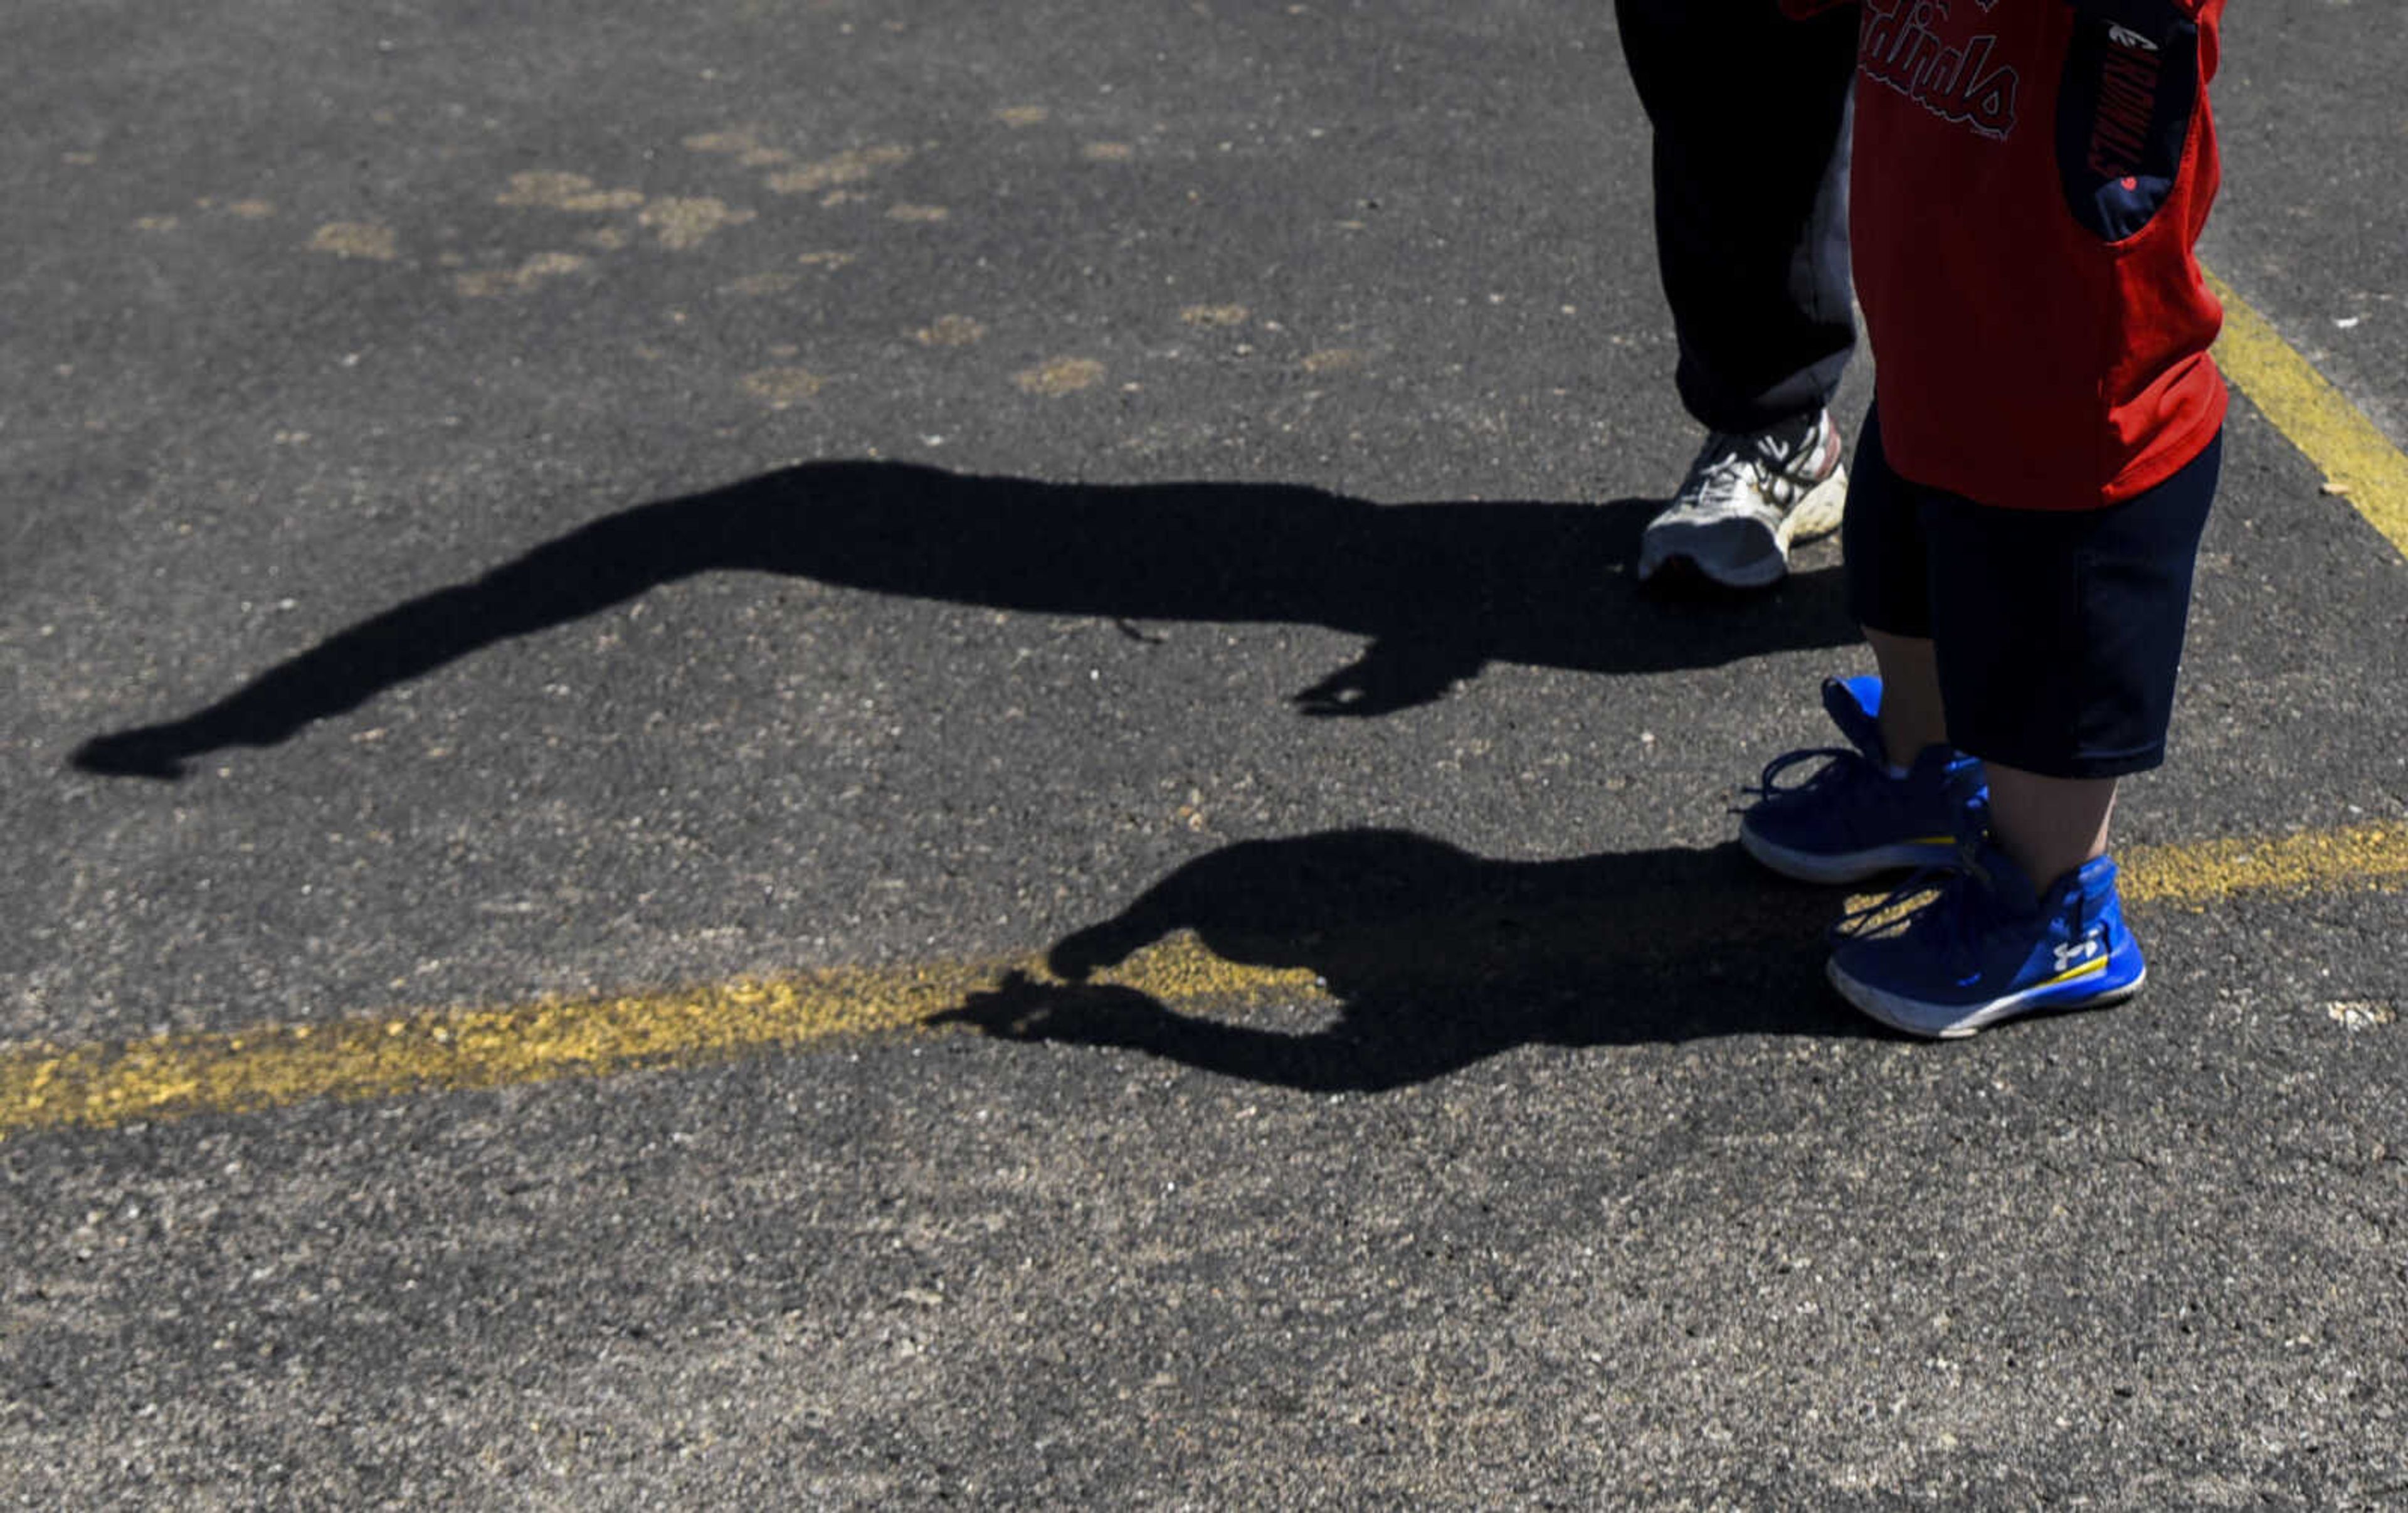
935 473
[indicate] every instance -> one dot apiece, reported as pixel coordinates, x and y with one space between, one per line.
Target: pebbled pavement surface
555 498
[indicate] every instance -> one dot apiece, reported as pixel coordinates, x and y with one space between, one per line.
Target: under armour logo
2074 952
2127 37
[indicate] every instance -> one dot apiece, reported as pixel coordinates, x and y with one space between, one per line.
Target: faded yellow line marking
951 331
851 168
682 225
488 282
271 1066
783 387
2213 871
2359 461
356 238
1060 376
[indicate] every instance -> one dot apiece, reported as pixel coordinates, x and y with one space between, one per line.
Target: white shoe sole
1849 867
1741 551
1935 1021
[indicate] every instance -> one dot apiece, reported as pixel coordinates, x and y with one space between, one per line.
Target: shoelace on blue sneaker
1832 772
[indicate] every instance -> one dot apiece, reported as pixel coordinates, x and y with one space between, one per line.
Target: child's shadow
1438 959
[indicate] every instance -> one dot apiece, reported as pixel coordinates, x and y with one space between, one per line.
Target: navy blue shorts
2058 634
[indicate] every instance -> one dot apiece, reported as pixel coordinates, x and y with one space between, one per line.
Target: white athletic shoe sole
1847 867
1941 1021
1745 548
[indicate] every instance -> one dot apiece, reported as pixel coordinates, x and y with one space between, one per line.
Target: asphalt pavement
552 512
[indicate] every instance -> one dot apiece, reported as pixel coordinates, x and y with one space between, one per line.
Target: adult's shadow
1441 590
1436 958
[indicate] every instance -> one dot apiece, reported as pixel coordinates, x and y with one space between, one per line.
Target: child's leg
2049 825
1889 593
1911 717
1896 797
2058 639
1857 813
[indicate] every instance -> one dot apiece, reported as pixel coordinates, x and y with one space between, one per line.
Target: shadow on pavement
1440 590
1438 959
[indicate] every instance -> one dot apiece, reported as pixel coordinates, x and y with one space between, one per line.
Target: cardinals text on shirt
1916 47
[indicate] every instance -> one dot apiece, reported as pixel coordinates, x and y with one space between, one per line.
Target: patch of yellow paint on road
1060 376
486 282
925 214
783 386
951 331
273 1066
1214 314
735 141
850 167
2213 871
685 224
356 238
2359 461
1017 116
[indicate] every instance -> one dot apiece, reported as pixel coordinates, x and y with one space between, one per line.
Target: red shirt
2030 178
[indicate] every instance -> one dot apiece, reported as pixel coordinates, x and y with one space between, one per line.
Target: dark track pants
1750 111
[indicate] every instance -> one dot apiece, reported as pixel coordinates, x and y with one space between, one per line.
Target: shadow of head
1439 590
1434 958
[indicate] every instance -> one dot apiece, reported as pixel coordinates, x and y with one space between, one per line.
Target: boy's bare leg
2049 825
1911 717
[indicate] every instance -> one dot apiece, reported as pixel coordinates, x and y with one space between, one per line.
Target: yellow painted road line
2313 861
270 1066
2359 462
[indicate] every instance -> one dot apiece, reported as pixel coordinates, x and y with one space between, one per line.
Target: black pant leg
1750 111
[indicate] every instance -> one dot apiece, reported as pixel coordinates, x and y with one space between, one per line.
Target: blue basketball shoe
1988 946
1851 820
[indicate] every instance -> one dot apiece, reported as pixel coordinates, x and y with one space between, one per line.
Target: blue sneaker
1987 947
1851 819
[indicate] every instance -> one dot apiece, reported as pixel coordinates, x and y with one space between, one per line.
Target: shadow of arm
589 570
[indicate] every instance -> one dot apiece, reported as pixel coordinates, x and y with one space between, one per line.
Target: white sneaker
1746 499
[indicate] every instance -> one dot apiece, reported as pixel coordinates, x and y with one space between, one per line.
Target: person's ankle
2047 867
